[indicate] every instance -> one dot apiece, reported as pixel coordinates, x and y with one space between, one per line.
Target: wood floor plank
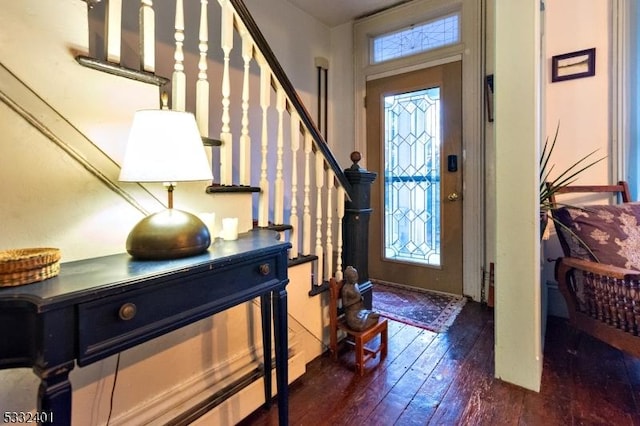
489 401
340 378
468 395
378 389
394 403
353 402
632 366
428 398
308 401
368 399
600 380
448 378
552 406
391 405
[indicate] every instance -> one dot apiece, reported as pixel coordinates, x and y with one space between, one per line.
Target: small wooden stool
356 338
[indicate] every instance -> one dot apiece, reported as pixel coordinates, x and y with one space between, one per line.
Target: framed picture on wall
568 66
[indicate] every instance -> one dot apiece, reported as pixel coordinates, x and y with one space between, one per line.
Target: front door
414 142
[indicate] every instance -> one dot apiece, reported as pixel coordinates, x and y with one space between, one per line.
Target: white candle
209 219
230 228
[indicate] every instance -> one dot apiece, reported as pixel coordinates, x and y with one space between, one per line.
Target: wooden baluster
179 79
631 306
627 307
306 215
226 42
597 297
604 297
113 30
202 85
319 185
147 36
328 262
265 100
589 295
245 139
294 220
340 197
278 213
635 294
616 301
621 305
611 301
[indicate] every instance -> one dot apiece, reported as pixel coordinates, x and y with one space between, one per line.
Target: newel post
355 226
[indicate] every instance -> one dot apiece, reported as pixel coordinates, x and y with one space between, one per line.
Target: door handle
453 196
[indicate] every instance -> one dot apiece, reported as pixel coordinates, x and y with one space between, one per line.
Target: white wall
296 39
41 207
582 107
341 101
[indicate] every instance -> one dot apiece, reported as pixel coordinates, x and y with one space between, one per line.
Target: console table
98 307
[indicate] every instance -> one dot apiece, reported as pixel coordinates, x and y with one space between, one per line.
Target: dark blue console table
98 307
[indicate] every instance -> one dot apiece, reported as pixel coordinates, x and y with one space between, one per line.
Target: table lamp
165 146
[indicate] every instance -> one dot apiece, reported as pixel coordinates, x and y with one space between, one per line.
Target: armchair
601 286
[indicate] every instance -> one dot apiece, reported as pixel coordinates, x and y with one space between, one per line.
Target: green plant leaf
549 187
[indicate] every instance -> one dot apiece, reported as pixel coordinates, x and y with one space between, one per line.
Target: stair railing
319 166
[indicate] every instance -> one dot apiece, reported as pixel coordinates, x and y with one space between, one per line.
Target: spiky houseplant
550 186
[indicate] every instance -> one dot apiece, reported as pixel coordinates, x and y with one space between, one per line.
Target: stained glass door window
412 174
415 39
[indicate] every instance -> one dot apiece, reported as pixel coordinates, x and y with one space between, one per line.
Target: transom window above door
417 38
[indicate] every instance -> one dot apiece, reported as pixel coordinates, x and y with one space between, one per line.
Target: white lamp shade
164 146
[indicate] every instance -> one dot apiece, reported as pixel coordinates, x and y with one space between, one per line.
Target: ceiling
336 12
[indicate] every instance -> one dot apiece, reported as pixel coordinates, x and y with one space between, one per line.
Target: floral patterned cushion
610 231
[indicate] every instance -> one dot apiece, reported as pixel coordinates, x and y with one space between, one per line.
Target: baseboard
251 398
167 406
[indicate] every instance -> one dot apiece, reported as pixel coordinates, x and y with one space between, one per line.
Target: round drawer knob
264 269
127 311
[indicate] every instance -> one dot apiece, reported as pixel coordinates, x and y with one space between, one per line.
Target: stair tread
122 71
216 188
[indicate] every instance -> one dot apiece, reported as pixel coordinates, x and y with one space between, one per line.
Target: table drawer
114 323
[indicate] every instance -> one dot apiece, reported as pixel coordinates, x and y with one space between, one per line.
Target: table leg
54 395
265 303
282 352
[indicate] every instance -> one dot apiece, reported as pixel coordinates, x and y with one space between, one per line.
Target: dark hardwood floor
447 379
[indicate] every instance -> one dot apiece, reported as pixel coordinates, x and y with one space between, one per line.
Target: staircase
272 168
278 153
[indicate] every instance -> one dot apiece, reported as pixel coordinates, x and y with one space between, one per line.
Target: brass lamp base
169 234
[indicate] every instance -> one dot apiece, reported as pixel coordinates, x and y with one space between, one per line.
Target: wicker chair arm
567 263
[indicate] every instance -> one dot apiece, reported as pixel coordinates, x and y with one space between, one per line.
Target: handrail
291 93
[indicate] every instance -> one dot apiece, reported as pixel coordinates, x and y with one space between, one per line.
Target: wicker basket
24 266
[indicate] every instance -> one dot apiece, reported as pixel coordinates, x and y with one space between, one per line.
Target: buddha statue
358 318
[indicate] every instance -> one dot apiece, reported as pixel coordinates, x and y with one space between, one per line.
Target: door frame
470 52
